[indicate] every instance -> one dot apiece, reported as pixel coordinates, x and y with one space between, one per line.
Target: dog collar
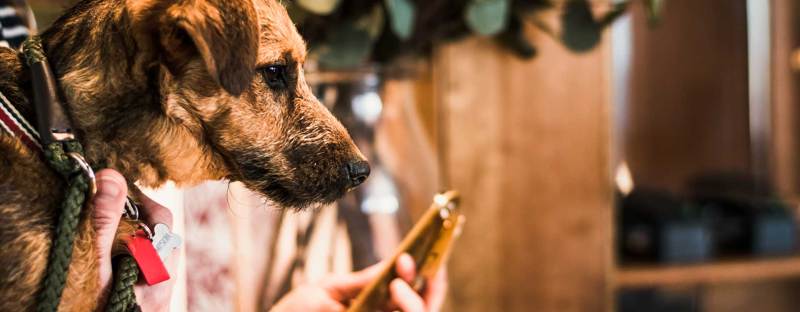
52 121
12 122
15 125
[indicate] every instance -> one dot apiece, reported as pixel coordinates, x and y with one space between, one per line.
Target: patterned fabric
13 30
11 122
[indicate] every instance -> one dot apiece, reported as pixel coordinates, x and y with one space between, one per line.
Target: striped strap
12 122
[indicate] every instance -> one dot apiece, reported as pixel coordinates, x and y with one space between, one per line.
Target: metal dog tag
165 241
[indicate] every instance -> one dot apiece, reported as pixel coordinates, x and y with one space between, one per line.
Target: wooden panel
786 38
688 97
526 142
473 166
730 271
764 296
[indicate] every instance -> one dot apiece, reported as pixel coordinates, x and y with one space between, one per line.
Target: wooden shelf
716 272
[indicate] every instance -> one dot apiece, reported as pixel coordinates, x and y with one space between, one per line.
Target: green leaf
319 7
372 22
654 9
401 16
346 46
616 11
487 17
580 31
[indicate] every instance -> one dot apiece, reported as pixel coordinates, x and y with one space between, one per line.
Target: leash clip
131 210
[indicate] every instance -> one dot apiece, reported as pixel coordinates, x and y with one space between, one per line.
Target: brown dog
182 90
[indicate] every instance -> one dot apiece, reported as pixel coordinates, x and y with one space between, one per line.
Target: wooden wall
687 110
785 83
526 142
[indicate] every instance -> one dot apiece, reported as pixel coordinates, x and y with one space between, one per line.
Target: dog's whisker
254 200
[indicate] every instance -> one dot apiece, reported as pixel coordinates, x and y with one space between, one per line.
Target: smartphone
429 242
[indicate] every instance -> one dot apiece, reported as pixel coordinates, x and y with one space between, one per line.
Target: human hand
109 204
334 292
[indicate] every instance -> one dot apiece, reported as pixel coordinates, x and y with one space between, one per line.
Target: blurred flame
623 179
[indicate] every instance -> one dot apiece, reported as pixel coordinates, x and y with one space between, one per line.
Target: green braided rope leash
61 248
122 296
60 157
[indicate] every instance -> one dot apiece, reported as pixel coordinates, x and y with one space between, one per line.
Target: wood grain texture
785 82
688 96
526 142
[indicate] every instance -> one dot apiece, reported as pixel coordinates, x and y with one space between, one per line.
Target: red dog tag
141 248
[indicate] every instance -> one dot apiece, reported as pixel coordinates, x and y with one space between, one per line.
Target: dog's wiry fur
164 90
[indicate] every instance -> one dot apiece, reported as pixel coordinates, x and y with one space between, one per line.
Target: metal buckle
87 171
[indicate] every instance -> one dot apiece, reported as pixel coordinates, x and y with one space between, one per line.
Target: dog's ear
224 33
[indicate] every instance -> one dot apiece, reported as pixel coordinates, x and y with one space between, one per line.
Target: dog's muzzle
357 172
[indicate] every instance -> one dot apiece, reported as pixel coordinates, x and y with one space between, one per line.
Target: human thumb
109 203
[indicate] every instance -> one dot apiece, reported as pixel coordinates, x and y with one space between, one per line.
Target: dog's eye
275 76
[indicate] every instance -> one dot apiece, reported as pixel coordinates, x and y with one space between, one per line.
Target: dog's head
234 76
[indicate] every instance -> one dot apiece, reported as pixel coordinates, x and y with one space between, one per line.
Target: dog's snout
357 171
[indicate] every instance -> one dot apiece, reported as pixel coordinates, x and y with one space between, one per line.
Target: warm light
367 107
440 200
795 60
623 179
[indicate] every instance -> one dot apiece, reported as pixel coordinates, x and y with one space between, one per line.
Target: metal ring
131 210
87 171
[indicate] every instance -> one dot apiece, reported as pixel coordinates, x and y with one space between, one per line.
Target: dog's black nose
358 172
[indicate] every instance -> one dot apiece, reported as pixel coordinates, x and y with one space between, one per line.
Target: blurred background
633 155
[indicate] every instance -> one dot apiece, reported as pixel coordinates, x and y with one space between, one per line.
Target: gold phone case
429 242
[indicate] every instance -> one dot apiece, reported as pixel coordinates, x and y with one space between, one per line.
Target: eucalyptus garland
351 33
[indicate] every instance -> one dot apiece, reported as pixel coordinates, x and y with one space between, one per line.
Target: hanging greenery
350 33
